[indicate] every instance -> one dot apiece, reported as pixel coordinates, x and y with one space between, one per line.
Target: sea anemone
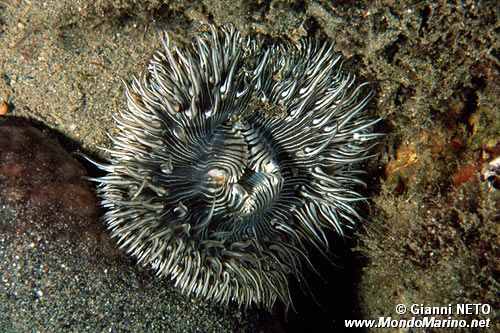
232 157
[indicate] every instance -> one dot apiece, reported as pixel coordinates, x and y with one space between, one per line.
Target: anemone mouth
232 157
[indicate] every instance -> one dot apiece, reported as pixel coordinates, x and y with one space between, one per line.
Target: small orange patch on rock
406 155
464 174
4 108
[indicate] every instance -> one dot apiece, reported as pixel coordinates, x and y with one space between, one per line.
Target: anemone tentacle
232 158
